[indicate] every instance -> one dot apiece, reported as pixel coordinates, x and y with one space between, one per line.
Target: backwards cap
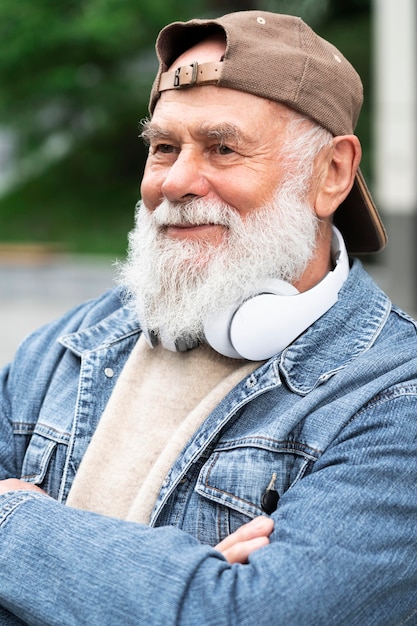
280 58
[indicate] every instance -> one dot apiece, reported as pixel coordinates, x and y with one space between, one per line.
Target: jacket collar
115 328
340 336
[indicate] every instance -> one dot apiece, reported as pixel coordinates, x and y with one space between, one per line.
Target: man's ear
336 174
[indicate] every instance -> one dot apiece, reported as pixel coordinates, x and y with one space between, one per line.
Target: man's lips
195 231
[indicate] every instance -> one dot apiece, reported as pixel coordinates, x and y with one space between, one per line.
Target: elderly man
243 370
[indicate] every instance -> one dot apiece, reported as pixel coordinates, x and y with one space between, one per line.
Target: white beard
176 284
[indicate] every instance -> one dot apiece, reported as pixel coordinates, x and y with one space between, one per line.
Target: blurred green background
75 77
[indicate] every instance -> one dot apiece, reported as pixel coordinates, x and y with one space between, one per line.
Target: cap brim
358 220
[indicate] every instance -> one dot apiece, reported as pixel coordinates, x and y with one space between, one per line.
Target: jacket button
109 372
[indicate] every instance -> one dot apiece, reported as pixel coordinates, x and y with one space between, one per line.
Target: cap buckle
189 83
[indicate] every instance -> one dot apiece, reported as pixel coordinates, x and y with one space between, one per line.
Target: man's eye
165 148
223 150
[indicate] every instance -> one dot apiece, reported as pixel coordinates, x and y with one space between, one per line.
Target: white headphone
267 323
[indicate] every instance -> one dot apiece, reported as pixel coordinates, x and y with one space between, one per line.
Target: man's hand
11 484
237 547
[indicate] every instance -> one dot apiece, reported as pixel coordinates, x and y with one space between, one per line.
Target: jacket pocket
237 474
45 458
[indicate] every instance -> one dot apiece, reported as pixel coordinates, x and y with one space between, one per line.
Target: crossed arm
342 551
236 548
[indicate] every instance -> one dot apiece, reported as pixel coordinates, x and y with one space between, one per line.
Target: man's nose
185 177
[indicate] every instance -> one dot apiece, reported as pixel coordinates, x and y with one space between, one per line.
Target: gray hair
303 142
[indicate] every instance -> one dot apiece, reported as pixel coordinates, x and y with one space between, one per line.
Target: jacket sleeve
342 552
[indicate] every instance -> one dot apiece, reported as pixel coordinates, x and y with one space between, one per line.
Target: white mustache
193 213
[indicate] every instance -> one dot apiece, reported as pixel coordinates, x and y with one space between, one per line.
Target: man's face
222 209
213 143
214 224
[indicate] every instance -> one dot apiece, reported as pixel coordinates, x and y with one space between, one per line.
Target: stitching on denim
275 445
385 396
9 506
42 430
213 490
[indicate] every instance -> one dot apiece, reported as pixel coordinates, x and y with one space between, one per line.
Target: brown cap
280 58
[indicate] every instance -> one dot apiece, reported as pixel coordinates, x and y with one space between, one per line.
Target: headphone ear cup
218 329
274 322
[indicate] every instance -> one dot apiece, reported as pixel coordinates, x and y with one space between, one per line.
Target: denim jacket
332 420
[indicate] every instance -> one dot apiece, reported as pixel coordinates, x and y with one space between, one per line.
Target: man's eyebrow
151 131
223 133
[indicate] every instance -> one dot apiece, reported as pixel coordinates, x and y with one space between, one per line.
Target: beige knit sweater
159 401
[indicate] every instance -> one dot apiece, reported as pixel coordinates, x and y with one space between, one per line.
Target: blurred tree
75 78
349 8
70 66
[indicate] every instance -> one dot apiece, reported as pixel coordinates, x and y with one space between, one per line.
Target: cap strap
189 75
